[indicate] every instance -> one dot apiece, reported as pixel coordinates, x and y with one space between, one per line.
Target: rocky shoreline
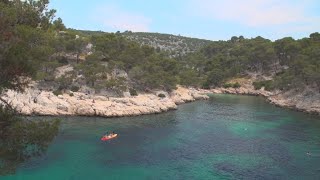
45 103
307 100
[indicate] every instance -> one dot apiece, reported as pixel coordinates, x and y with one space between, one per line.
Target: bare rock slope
306 100
36 102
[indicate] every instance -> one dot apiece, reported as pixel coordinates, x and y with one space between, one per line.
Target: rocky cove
45 103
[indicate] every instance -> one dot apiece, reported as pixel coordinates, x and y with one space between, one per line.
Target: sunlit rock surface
36 102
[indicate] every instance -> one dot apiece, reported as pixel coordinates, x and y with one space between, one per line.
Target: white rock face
243 91
182 95
307 100
60 71
35 102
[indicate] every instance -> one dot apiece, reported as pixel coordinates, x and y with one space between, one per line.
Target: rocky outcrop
36 102
307 100
243 91
182 95
246 88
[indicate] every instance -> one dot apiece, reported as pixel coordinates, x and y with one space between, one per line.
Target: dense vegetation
24 42
291 63
121 61
112 63
147 67
172 45
22 139
33 45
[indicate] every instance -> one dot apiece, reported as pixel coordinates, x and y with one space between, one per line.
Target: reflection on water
22 139
227 137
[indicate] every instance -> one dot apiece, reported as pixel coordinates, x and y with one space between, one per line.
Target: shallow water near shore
226 137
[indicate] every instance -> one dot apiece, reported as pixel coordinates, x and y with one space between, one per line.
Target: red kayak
106 138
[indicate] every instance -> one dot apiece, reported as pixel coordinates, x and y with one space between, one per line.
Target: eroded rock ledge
307 100
36 102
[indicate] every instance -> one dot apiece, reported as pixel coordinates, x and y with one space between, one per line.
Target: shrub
232 85
161 95
133 92
236 85
206 85
268 85
40 75
75 88
63 60
49 78
57 92
227 85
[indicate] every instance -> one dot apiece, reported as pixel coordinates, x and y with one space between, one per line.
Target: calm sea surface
227 137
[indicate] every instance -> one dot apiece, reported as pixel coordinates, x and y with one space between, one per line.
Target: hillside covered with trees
37 45
290 63
106 62
173 45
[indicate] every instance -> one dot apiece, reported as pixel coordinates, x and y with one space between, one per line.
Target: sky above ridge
208 19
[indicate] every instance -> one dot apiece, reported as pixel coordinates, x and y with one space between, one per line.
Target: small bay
226 137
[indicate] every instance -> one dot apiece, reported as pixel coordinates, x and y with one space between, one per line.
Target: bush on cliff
161 95
74 88
57 92
227 85
236 85
268 85
133 92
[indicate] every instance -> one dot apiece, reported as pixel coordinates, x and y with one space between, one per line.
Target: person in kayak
107 135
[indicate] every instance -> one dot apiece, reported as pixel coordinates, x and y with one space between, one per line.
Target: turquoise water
227 137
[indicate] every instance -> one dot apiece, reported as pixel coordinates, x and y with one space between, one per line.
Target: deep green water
227 137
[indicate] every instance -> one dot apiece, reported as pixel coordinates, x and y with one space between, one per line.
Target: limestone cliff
306 100
36 102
